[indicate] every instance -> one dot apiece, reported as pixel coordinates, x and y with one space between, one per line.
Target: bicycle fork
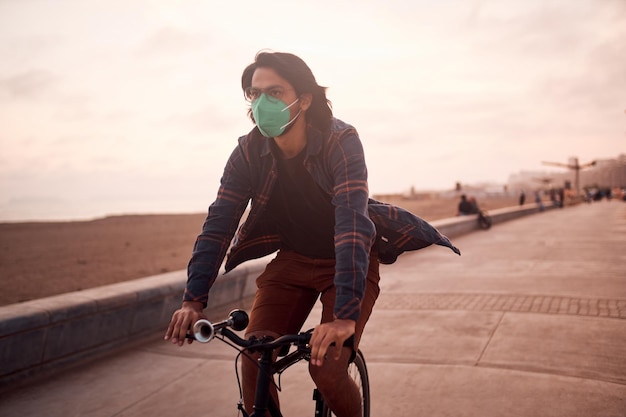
264 380
319 402
262 399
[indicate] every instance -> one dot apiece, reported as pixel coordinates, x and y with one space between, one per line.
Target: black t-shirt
302 211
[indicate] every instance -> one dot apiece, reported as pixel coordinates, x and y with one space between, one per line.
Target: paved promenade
530 321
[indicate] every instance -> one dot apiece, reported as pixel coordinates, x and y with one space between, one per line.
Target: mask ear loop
295 117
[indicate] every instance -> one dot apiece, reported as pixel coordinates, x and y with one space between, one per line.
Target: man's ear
305 101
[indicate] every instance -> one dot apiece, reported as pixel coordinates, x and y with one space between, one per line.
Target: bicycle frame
204 331
263 401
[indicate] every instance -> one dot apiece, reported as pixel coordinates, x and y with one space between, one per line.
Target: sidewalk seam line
493 332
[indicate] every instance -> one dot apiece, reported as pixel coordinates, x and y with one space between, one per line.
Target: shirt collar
314 142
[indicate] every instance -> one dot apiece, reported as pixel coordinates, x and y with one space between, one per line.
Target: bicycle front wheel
358 372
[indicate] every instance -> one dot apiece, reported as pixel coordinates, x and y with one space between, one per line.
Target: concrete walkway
530 321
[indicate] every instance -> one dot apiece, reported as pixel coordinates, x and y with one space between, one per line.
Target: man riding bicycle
305 175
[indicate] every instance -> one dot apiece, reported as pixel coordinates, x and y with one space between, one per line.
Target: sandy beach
40 259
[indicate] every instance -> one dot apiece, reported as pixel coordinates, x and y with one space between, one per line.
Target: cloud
170 41
30 84
211 119
439 91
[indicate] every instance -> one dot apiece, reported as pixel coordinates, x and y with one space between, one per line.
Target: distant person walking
553 198
538 200
522 198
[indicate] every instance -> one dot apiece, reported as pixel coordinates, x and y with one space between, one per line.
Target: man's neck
292 142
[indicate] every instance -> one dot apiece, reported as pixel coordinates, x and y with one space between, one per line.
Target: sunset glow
116 106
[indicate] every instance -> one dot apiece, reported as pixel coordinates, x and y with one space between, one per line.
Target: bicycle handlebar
204 331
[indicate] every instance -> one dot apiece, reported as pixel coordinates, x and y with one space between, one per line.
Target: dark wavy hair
299 75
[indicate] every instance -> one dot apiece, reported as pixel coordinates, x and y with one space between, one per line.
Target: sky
133 106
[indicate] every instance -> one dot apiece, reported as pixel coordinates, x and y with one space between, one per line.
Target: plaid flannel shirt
336 162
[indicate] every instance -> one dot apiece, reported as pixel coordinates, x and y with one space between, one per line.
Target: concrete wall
46 335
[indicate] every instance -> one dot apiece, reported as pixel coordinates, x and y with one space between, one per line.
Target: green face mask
272 116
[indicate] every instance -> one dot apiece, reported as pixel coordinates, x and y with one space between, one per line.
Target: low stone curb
43 336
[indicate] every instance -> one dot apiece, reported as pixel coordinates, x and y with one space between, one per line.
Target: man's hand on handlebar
325 334
182 320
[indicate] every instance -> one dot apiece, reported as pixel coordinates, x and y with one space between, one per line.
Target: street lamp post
576 167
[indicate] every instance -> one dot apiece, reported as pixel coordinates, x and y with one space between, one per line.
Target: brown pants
287 291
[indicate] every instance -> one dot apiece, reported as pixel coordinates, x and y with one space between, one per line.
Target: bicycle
484 220
204 331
